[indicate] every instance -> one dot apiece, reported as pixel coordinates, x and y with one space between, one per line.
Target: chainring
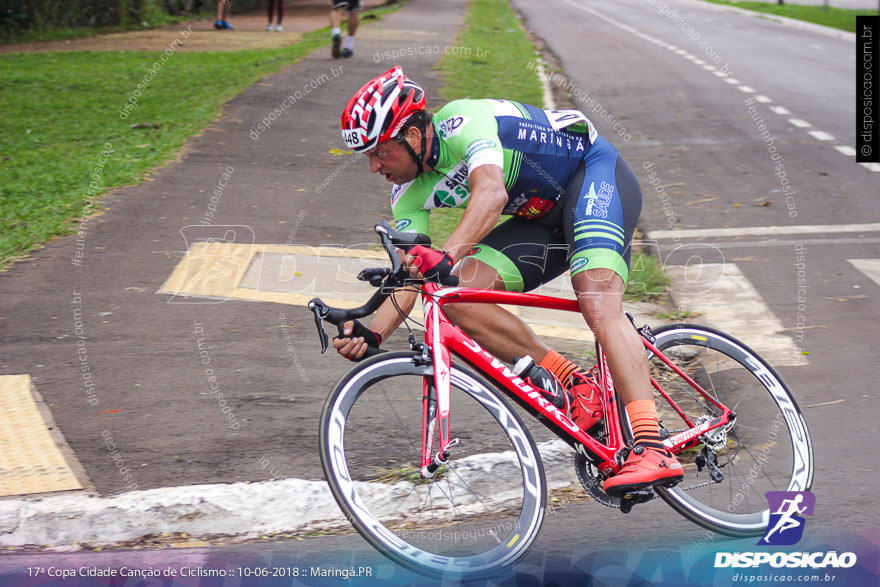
592 483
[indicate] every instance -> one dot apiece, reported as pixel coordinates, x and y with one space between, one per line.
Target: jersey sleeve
470 131
408 209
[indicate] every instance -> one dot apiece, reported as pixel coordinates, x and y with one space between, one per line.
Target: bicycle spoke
753 452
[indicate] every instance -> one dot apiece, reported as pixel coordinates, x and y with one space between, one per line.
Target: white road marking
751 244
870 267
727 300
820 135
763 230
845 150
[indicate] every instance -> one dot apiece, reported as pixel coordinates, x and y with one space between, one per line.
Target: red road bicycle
435 469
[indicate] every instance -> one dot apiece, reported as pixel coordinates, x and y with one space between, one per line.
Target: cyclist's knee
600 296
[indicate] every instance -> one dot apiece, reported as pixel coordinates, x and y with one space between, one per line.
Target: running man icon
787 508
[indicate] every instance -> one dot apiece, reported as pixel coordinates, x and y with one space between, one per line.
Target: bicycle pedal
631 498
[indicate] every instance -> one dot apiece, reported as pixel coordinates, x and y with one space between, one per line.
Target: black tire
766 448
371 433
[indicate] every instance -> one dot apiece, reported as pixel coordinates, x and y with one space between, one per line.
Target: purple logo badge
787 508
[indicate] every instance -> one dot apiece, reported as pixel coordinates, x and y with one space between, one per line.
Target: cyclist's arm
470 131
488 199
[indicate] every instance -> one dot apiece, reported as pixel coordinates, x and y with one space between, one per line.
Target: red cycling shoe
644 467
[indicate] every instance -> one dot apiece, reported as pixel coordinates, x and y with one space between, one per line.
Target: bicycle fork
436 399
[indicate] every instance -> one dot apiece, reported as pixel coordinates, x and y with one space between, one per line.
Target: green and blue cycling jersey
541 153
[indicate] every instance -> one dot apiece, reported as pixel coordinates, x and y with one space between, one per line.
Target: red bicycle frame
441 337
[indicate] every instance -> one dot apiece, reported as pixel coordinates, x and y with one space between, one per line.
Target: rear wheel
481 511
766 448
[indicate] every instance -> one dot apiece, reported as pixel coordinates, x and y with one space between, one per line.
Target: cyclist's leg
599 225
515 256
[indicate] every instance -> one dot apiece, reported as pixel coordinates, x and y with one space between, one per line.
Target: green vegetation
676 316
409 474
63 140
498 70
839 18
646 278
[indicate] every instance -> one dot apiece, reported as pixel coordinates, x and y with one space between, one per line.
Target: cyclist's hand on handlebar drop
431 263
353 346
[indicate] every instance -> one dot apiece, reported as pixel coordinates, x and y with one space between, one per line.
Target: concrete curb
239 510
789 22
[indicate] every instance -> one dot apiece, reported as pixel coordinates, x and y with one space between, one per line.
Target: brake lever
320 311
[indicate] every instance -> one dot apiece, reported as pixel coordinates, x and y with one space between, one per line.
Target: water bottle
543 380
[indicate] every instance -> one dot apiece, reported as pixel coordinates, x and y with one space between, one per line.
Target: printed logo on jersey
599 201
534 133
473 251
445 199
787 508
402 224
397 190
578 263
451 191
535 207
452 126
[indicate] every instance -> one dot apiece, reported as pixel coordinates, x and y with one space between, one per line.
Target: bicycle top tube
446 295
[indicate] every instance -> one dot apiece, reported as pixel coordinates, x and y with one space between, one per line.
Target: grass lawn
61 113
838 18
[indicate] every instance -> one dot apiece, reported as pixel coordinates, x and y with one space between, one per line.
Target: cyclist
575 203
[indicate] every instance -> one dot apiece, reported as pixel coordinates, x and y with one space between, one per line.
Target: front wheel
766 448
482 510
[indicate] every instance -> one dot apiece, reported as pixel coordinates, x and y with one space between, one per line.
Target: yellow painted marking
30 461
513 541
210 269
698 337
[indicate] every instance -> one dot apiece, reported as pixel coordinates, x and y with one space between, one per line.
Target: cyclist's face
389 158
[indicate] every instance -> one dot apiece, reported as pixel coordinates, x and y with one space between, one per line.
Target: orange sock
646 430
561 367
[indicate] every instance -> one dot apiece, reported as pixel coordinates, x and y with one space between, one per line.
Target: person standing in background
222 14
339 6
276 7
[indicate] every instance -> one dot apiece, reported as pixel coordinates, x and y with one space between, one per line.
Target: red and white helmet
379 110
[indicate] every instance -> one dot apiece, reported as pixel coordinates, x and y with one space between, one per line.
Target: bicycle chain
593 486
